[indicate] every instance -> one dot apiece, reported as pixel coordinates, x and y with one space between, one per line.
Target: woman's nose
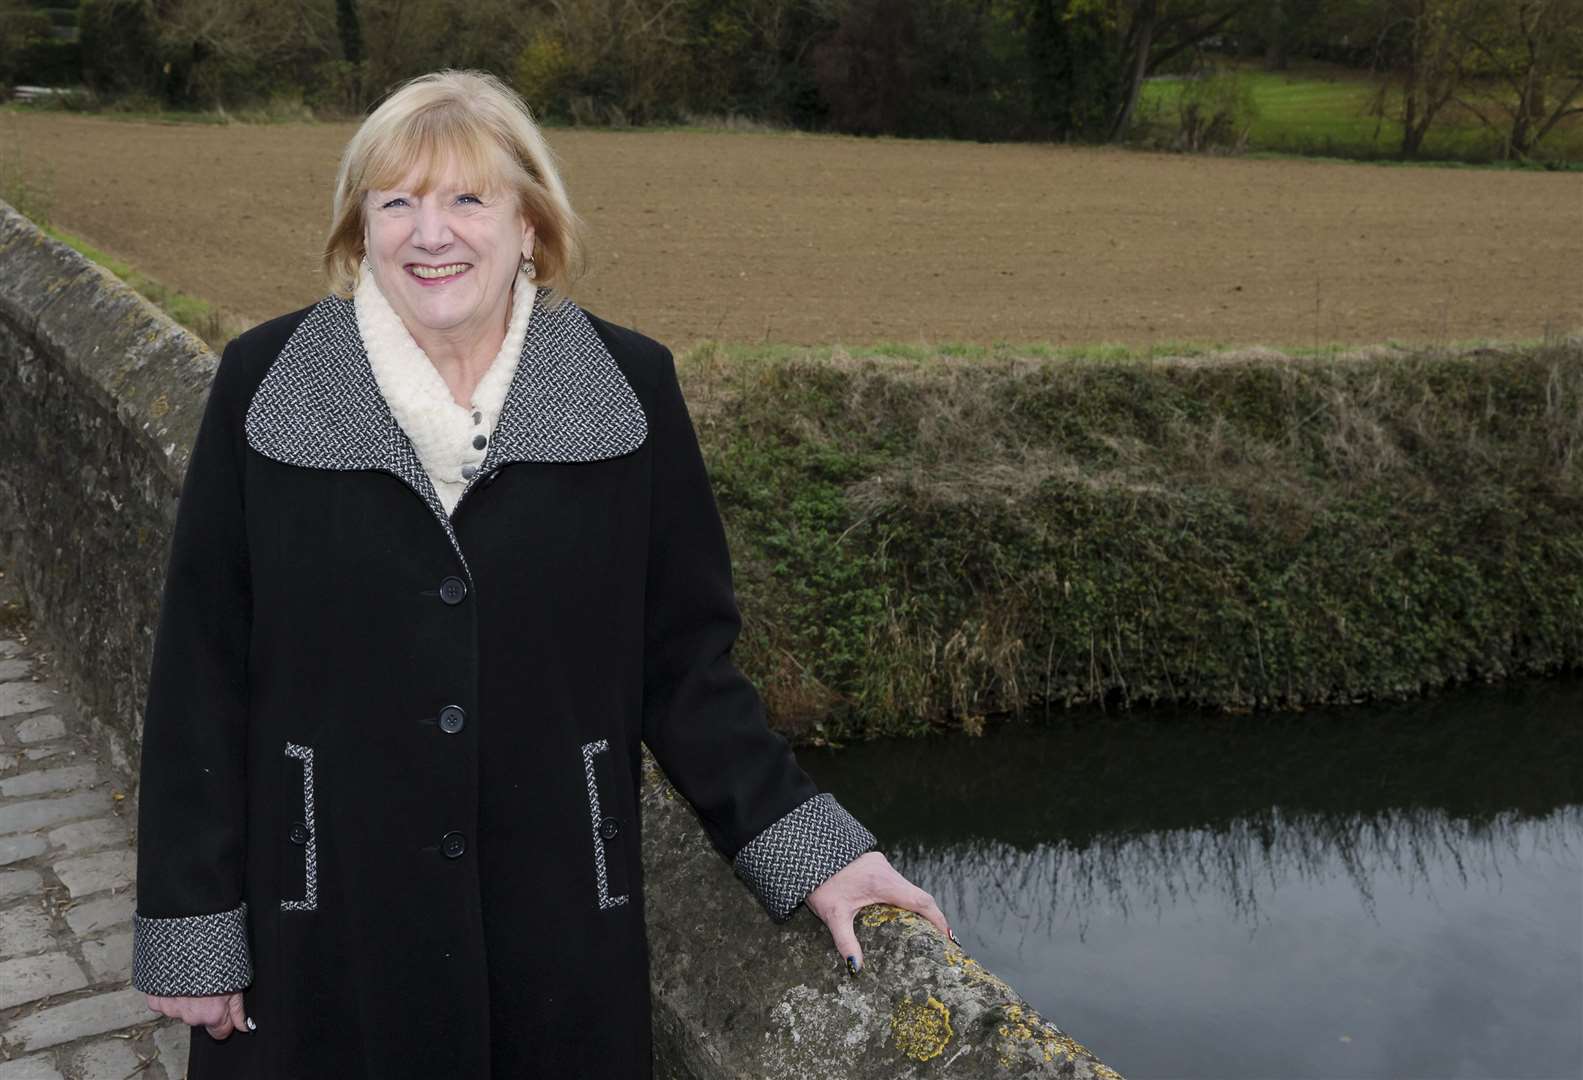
430 229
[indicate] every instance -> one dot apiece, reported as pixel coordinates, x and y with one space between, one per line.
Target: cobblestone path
67 1008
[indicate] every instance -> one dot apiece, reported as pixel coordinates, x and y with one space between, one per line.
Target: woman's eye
475 198
392 202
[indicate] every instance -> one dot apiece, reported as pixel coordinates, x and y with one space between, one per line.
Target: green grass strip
198 315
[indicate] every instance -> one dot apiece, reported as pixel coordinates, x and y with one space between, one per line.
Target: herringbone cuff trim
191 955
798 851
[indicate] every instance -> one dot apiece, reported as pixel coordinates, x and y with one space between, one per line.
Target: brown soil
811 239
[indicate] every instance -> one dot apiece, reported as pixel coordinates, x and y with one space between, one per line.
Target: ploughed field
818 240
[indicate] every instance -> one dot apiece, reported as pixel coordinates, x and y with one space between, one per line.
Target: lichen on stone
880 914
975 973
1024 1025
921 1031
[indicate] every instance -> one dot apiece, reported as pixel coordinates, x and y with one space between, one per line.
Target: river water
1375 891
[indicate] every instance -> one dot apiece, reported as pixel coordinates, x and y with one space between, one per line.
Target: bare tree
205 39
614 60
1425 56
1534 47
1152 32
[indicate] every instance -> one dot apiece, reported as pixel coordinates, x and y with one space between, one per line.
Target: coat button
298 833
479 442
451 719
469 471
608 827
453 844
452 589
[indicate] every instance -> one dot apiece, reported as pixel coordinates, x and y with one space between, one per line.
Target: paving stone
17 698
25 929
37 1067
14 883
13 669
41 813
34 728
65 778
96 873
16 848
109 958
174 1041
33 977
8 762
39 753
56 1024
84 836
98 915
10 647
106 1059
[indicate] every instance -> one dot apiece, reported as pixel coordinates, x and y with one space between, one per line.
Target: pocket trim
601 872
310 899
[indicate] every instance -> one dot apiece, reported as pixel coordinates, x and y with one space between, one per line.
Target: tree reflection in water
987 883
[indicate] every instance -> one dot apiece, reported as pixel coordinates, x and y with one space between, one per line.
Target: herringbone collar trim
320 407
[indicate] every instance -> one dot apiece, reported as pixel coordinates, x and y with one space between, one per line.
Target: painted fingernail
952 935
853 964
250 1025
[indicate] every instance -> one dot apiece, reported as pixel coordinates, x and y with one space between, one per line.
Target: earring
527 267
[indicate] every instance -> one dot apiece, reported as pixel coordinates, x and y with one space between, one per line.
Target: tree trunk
1275 45
1141 33
350 28
1410 135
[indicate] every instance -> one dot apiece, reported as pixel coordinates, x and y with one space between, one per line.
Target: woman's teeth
438 271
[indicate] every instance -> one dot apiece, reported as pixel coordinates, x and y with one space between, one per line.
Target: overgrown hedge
925 540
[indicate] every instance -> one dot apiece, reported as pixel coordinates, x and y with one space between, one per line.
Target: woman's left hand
867 879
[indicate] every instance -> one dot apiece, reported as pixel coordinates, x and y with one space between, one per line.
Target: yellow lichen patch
161 406
880 914
976 973
1067 1045
1025 1025
921 1031
1105 1072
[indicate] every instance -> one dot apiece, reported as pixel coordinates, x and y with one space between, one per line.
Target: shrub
1215 112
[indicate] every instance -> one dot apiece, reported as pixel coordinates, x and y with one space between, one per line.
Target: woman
446 553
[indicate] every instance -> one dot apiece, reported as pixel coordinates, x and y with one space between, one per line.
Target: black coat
391 756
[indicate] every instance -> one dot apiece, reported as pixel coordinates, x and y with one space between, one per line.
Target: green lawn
1322 109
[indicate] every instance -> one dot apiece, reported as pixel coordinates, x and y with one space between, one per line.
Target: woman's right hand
220 1014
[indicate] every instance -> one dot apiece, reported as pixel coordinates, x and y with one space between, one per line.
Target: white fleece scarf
442 432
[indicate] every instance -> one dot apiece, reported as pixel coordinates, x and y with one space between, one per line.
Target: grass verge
209 322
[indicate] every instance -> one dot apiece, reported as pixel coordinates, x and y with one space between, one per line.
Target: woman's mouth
437 275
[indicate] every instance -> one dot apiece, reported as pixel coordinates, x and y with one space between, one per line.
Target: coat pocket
301 865
610 860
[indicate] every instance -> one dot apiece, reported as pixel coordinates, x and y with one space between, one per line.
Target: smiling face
446 257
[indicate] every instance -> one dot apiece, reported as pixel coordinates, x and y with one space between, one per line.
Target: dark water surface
1380 891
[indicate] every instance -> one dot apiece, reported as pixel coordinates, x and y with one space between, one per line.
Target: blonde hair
470 118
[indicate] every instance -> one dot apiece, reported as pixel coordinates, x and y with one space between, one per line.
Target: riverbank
922 541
